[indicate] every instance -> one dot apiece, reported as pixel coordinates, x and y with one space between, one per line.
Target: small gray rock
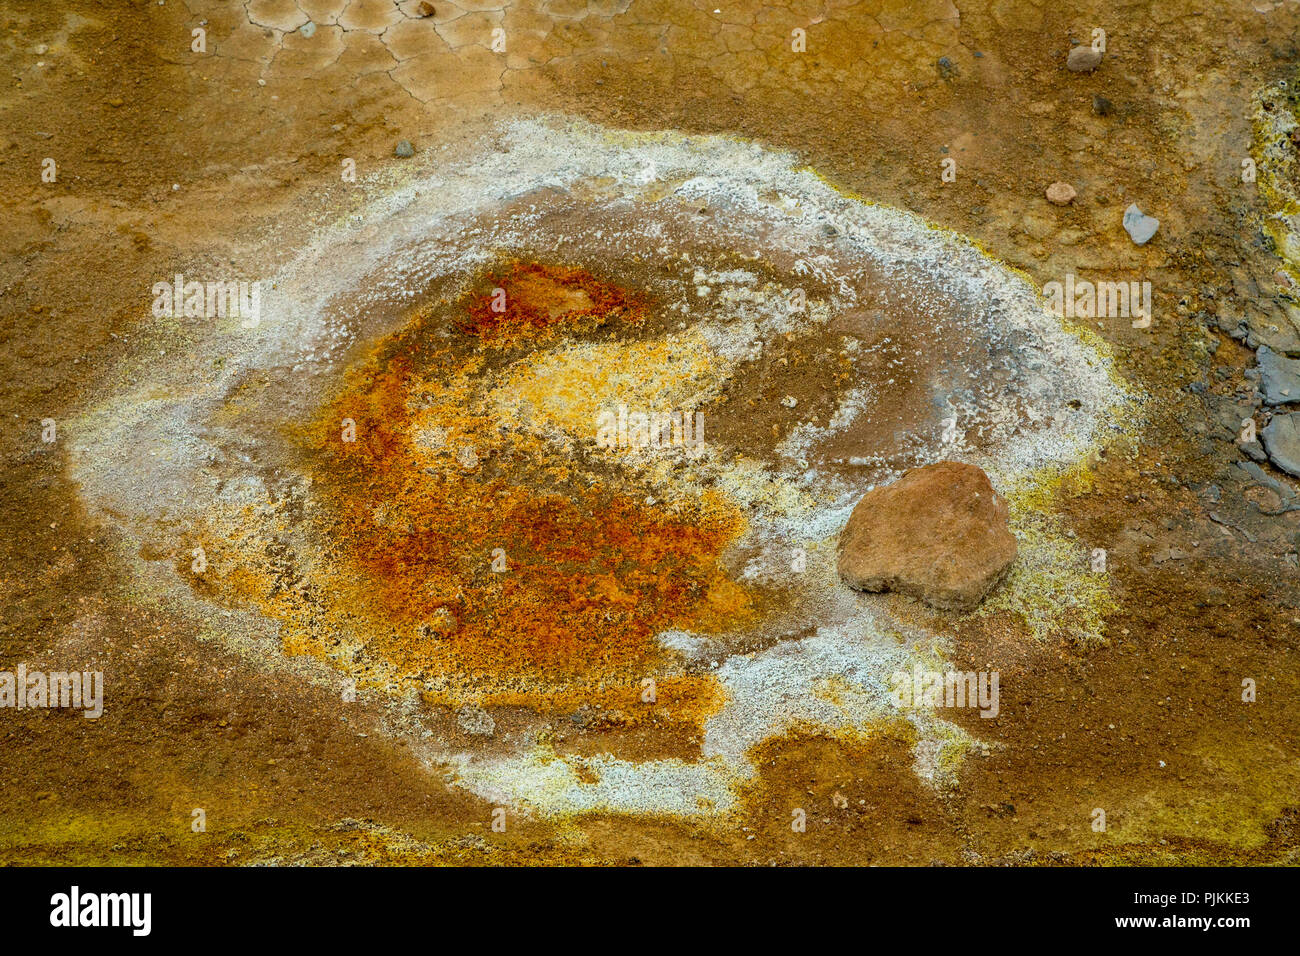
1282 442
307 29
1140 226
1279 338
1083 59
1264 478
404 149
1279 376
1254 449
1230 323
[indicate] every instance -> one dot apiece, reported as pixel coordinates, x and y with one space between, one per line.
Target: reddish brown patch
534 301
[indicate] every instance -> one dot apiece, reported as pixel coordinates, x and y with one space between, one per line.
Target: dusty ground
174 161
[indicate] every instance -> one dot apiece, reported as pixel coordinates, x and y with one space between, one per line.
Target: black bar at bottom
937 904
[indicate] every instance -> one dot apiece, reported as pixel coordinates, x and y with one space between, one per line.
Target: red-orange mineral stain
533 302
593 572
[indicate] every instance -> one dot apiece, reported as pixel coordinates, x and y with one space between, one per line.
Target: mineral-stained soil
1125 697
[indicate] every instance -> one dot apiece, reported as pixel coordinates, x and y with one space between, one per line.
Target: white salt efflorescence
826 662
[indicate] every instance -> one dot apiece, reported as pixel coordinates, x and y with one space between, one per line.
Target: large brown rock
939 533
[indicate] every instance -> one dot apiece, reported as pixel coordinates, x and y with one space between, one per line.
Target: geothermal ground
494 518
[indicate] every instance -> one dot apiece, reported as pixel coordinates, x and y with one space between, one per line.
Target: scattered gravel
476 721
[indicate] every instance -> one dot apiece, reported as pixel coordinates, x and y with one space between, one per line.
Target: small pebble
1140 226
425 9
1101 106
1083 59
1061 194
404 149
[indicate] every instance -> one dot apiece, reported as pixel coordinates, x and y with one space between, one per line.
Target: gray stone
1229 412
1083 59
1279 376
1140 226
1275 324
1254 449
1282 442
1231 323
1268 481
404 149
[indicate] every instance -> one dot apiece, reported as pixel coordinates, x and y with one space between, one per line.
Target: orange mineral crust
490 565
532 302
